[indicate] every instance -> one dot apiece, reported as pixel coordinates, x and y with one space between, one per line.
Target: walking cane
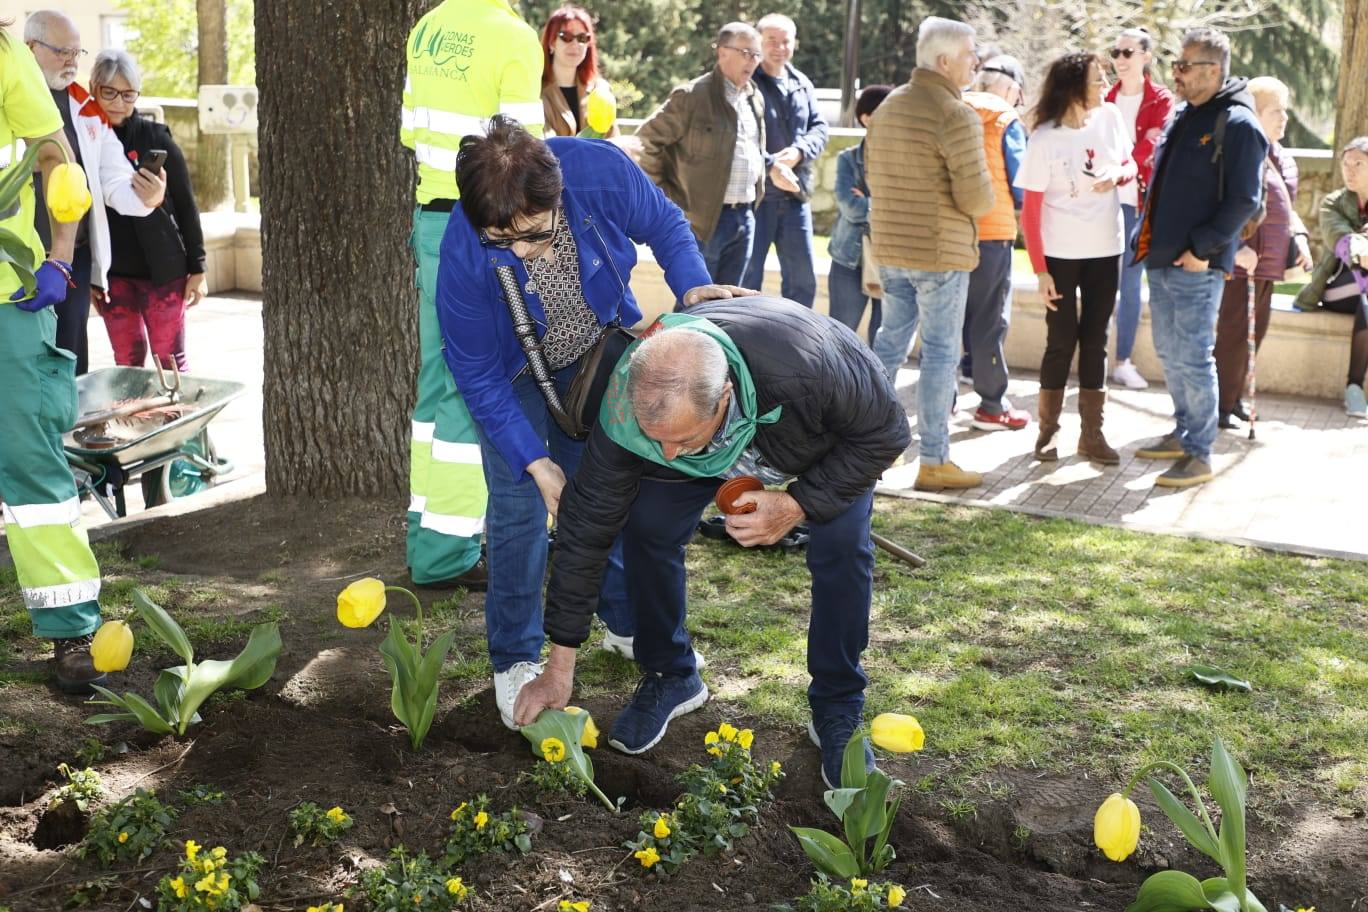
1253 352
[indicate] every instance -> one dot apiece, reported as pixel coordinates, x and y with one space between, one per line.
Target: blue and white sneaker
1355 402
831 735
658 699
625 646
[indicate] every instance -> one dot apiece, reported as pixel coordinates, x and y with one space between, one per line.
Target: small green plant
559 737
201 794
414 673
474 831
210 881
862 804
310 823
721 802
181 690
89 891
127 830
854 895
551 779
91 752
407 883
83 787
1116 831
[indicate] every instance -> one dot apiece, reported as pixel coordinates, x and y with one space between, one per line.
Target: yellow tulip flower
588 737
112 647
647 856
1116 827
553 749
68 193
662 828
896 895
361 603
600 110
897 733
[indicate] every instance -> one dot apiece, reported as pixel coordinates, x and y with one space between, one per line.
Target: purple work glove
53 281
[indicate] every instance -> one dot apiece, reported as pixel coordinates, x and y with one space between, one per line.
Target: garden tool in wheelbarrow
797 538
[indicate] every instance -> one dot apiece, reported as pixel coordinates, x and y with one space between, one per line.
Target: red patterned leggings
137 313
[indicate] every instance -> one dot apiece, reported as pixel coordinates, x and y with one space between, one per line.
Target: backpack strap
1218 153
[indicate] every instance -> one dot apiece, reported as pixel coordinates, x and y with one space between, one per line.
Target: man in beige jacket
929 182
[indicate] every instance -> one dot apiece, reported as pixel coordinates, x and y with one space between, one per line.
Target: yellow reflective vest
467 61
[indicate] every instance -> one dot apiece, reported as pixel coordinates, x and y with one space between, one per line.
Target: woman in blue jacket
564 215
845 280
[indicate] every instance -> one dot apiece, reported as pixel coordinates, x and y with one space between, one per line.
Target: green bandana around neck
618 419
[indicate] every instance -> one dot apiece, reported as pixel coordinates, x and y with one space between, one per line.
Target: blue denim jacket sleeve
852 207
1013 151
812 139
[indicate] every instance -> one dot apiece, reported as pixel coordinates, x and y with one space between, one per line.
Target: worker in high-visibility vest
57 571
467 61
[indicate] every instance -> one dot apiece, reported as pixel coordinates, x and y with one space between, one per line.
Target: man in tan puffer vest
929 182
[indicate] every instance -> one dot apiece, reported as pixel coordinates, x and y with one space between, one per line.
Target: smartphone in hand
154 161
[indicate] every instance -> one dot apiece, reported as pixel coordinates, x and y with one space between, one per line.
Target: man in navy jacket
795 135
1207 184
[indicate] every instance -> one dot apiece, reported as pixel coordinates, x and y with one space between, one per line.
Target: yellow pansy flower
662 828
775 768
745 737
481 819
896 895
123 837
727 731
568 906
647 856
460 809
897 732
721 789
337 815
553 749
191 849
858 884
361 603
1116 827
179 888
456 887
219 852
417 899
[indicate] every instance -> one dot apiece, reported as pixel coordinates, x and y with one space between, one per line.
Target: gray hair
733 30
37 25
937 36
777 21
674 367
111 63
1213 42
1358 144
987 80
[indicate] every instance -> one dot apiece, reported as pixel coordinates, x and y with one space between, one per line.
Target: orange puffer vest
999 224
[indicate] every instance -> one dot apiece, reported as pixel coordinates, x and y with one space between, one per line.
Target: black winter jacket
168 243
840 428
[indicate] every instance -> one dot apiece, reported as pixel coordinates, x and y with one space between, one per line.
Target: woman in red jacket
1145 107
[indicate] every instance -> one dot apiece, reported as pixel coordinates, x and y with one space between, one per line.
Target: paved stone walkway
1301 485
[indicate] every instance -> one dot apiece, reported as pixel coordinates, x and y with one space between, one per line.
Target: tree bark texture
1352 102
212 179
340 308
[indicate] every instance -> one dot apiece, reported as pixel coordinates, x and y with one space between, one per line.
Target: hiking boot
508 684
658 699
1128 376
1185 473
1355 403
1091 443
946 476
1048 406
831 735
1006 420
624 646
1166 447
73 668
476 579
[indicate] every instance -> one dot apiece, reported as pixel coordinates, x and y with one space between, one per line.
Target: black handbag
576 413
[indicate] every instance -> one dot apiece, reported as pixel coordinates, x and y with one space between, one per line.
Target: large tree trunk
340 315
1352 103
212 179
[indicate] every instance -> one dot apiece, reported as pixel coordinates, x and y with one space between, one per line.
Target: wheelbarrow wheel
173 481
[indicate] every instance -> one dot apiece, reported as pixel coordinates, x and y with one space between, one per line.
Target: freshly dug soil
321 731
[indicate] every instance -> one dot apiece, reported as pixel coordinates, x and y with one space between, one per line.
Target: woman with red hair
571 73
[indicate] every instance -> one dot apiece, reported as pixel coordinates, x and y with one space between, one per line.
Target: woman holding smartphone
157 262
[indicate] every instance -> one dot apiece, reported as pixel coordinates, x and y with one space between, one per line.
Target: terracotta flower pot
730 490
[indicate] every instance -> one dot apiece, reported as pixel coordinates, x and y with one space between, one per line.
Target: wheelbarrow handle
898 550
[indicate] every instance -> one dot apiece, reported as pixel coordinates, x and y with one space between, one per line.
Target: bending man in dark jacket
765 388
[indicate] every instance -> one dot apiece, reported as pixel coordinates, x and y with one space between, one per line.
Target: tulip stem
1192 790
418 607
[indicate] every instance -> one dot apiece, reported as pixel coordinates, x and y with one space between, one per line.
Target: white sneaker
507 686
1126 375
623 646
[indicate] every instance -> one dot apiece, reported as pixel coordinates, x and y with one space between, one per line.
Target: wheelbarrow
148 426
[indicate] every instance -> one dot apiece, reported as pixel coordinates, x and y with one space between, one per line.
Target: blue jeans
1128 310
936 299
515 537
786 222
728 251
846 298
1183 309
840 557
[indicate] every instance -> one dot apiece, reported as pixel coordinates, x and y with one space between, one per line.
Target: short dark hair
870 98
506 175
1066 83
1213 42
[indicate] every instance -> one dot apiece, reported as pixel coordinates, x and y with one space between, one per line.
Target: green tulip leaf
853 773
1218 895
134 706
1192 828
168 691
568 728
839 799
828 853
853 827
163 625
1216 677
15 252
1228 786
1170 891
878 861
876 796
249 670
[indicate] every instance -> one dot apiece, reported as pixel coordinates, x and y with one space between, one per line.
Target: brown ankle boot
1049 405
1091 443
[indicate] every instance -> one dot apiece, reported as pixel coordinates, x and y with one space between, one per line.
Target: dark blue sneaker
658 699
831 735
